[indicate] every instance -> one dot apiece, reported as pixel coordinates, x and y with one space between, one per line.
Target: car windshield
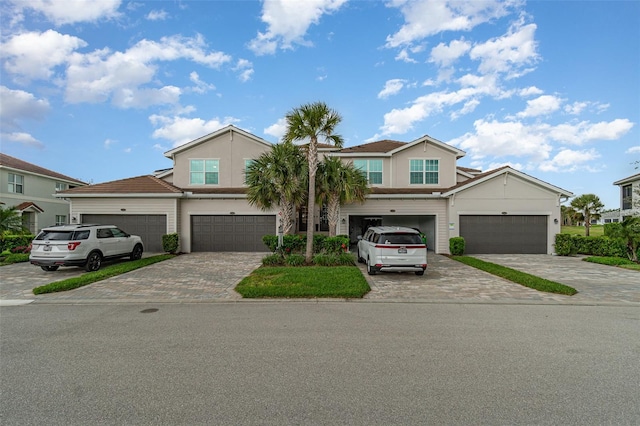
400 238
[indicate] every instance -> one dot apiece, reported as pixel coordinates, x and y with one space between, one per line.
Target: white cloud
391 87
34 55
278 129
21 138
245 70
157 15
18 105
467 108
584 131
509 53
108 143
568 160
445 55
288 21
102 74
200 86
426 18
530 91
180 130
62 12
542 105
633 150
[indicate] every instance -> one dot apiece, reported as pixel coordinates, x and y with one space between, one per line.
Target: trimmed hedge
170 243
10 242
456 246
568 245
297 244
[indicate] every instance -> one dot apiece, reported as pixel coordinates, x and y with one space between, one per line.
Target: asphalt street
319 363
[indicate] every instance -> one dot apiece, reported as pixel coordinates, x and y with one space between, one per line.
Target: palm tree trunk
333 213
288 210
312 157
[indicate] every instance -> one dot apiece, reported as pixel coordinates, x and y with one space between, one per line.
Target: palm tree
278 177
590 206
312 122
339 183
10 221
628 231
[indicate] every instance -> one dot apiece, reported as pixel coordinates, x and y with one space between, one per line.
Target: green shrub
170 243
290 243
9 242
324 259
599 246
271 241
564 245
274 259
294 260
16 258
345 259
456 246
335 245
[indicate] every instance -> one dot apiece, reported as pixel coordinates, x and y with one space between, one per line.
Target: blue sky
99 90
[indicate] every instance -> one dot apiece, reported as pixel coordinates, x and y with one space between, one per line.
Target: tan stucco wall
510 195
231 149
400 165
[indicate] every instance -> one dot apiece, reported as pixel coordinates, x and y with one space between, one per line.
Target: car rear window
400 238
54 235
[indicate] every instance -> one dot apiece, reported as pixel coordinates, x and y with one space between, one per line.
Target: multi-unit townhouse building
419 184
629 196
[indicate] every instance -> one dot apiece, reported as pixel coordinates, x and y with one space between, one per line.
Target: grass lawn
518 277
594 230
101 274
304 282
614 261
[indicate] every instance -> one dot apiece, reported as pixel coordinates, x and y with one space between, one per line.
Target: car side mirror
359 237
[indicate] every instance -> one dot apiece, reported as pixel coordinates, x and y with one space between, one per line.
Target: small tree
10 221
590 206
628 231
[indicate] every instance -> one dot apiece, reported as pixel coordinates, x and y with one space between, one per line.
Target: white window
61 219
204 172
61 186
424 171
372 168
16 184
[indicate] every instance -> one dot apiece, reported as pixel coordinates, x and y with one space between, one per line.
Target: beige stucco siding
191 207
125 206
506 195
400 165
231 149
402 207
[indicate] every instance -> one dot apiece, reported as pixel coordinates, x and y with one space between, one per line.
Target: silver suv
82 245
392 249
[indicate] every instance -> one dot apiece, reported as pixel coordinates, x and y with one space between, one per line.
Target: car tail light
72 245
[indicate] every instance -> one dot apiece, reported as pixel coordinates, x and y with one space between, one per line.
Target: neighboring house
417 184
629 196
612 216
30 188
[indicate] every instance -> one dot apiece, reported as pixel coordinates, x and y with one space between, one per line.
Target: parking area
198 277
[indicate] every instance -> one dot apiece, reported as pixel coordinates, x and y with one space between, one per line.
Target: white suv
82 245
393 249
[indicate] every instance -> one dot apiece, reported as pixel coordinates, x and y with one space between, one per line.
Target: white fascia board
458 152
359 154
405 196
214 196
57 179
630 179
146 195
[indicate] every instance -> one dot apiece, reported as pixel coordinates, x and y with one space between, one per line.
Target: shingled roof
17 164
146 184
379 146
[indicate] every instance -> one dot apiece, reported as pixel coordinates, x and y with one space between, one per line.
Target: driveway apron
595 283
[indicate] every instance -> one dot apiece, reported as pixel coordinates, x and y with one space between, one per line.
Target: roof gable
491 174
428 139
228 129
383 146
629 179
10 162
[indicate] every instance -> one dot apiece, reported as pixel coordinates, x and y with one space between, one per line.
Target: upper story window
372 168
627 197
247 164
204 172
61 219
16 183
61 186
424 171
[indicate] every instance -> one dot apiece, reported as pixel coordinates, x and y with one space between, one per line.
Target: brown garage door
150 227
504 234
231 233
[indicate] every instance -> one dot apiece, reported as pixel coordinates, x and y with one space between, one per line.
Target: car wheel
49 268
136 254
93 262
419 273
371 270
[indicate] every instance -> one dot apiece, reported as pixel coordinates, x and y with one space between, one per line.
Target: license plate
47 248
402 250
